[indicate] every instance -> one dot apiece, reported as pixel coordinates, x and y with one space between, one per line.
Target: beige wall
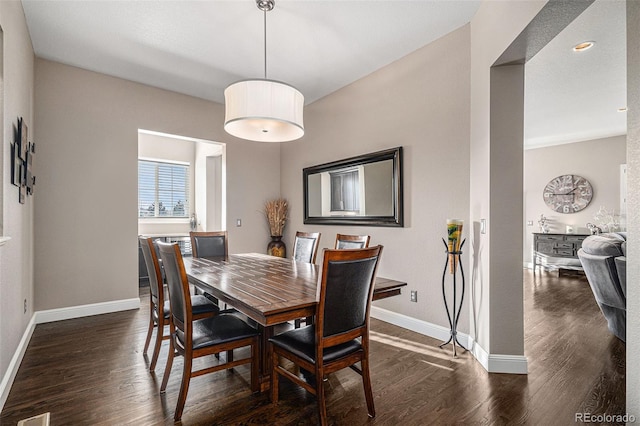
420 102
16 257
86 204
596 160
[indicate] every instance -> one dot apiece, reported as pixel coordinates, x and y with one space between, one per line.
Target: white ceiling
200 47
571 96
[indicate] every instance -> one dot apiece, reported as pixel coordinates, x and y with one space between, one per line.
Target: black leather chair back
305 247
351 241
153 267
212 245
350 244
178 289
347 291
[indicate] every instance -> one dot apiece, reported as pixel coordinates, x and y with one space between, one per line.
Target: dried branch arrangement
276 212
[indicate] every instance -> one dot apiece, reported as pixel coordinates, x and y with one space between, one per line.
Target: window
345 191
163 189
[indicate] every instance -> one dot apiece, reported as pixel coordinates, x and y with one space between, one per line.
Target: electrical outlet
238 222
529 223
25 306
414 295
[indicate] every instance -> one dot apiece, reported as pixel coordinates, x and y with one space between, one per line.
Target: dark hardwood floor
91 371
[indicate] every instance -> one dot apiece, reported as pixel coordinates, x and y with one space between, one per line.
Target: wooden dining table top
268 289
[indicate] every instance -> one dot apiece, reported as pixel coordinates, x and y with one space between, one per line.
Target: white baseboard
508 364
60 314
14 365
50 315
493 363
419 326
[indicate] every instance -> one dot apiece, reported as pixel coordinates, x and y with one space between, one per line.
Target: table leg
265 358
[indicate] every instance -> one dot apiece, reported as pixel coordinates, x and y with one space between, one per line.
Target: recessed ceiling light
583 46
623 109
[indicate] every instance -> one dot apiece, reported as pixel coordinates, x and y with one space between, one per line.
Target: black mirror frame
397 220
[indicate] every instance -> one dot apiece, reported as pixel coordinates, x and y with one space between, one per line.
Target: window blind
163 189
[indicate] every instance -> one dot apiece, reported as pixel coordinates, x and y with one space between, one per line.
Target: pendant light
264 110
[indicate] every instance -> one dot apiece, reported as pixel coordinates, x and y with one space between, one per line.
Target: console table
556 245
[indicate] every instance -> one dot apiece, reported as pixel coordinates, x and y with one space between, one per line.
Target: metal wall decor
22 153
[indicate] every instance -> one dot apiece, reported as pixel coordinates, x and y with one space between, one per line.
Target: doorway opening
181 188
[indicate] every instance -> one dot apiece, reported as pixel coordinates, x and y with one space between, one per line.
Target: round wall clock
568 194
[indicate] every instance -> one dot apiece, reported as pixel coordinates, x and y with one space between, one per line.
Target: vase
276 247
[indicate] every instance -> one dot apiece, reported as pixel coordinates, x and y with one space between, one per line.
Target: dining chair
305 246
160 308
351 241
194 338
305 249
339 338
209 244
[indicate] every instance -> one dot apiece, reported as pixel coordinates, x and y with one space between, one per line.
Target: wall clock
568 193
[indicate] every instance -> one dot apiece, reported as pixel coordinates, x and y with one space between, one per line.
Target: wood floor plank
91 371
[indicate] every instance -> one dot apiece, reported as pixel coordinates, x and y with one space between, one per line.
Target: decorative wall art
568 194
22 153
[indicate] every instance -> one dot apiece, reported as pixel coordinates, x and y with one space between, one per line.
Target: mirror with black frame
362 190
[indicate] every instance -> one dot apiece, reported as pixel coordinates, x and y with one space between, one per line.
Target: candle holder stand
453 314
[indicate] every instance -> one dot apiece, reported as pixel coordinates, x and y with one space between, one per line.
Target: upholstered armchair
604 260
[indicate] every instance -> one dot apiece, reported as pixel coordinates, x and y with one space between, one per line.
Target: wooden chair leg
149 331
184 387
366 382
255 361
156 349
274 375
167 368
230 355
322 405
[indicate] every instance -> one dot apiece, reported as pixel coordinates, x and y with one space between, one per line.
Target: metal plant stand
453 317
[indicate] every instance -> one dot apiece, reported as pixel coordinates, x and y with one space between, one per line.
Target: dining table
269 290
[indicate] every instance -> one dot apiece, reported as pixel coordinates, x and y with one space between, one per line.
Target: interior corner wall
420 102
86 197
493 28
16 256
208 186
505 207
214 178
633 207
597 160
